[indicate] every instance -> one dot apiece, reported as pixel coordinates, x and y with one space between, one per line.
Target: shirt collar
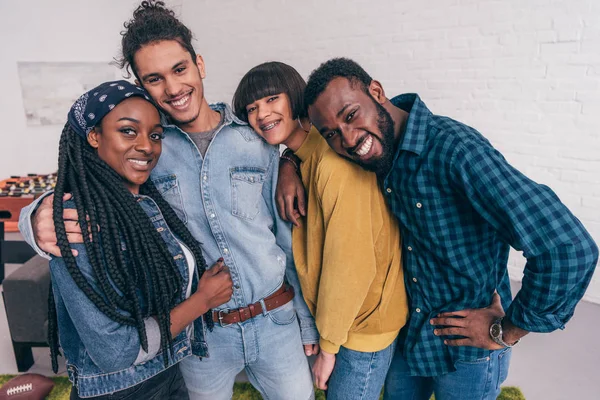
310 144
223 108
416 130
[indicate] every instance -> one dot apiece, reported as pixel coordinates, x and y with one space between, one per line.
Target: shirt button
419 205
205 177
225 250
389 190
418 310
212 215
414 279
160 229
409 248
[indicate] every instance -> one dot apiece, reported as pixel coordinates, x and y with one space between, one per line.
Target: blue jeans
359 375
472 380
268 347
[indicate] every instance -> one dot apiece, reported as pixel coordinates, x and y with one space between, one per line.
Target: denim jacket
104 356
227 201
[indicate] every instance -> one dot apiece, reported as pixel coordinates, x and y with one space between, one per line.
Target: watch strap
500 339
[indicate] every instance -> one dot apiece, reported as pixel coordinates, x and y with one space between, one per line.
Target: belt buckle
220 315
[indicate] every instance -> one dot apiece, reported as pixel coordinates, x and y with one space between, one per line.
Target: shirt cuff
153 336
328 346
531 321
309 333
26 228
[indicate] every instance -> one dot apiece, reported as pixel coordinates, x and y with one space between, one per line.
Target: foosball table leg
1 252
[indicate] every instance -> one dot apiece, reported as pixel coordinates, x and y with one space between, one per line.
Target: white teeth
181 101
270 126
364 149
139 162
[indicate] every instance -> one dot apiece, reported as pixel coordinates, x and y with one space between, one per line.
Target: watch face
495 330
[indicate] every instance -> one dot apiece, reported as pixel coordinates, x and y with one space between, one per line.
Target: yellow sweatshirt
347 253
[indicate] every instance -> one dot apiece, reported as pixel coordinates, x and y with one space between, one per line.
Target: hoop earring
301 126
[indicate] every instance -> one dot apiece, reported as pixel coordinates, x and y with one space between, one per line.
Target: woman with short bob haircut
347 247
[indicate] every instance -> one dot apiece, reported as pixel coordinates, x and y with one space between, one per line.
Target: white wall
525 73
37 30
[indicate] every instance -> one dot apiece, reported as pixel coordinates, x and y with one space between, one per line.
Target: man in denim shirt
220 177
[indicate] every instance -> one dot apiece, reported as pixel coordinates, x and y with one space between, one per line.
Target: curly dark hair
151 22
328 71
145 273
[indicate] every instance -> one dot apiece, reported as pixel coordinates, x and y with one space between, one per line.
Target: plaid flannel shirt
461 206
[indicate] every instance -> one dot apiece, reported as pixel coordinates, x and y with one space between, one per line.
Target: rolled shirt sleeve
561 254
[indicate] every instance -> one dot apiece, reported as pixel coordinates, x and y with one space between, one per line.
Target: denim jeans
472 380
167 385
267 346
359 375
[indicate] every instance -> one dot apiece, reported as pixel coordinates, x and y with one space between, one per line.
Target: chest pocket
246 189
168 187
436 221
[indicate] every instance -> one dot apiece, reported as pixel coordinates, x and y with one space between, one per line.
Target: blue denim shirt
104 356
227 201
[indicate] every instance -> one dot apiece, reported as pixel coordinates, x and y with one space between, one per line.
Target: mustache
357 145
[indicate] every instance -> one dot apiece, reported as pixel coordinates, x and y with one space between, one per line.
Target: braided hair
147 269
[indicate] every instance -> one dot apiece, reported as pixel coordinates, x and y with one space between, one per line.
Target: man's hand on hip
472 324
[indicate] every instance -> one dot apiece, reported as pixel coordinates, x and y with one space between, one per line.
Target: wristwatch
496 333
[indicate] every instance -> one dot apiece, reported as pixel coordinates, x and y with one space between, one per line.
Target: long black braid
147 269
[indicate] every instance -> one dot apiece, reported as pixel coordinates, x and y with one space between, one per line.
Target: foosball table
16 193
19 191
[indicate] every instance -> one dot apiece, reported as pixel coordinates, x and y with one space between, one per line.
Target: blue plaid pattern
461 206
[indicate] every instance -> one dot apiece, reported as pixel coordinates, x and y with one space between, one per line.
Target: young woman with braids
123 303
219 177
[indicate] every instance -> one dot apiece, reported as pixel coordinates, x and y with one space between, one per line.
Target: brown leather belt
282 296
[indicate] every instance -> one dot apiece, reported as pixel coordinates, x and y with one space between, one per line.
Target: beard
385 124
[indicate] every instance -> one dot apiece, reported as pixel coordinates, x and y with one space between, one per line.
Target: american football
26 387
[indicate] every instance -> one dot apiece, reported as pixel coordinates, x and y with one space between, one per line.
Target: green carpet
241 391
245 391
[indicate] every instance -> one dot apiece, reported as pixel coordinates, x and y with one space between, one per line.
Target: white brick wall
525 73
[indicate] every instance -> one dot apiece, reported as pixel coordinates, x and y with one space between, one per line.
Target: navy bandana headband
92 106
